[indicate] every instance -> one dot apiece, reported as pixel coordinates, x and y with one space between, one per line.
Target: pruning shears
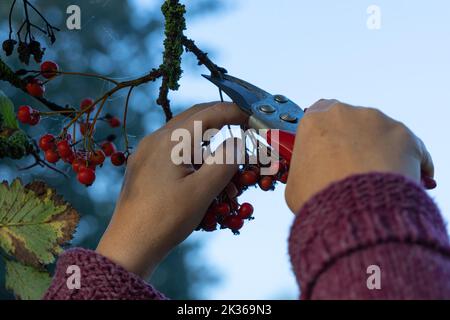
271 112
266 111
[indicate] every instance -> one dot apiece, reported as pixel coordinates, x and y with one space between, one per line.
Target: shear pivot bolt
288 118
280 98
267 108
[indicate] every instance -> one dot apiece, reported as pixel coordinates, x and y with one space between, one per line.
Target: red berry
24 114
86 176
97 157
35 88
118 159
51 156
266 183
69 158
209 227
245 211
86 128
87 164
255 169
77 163
49 69
248 178
35 118
209 222
114 122
47 142
86 103
64 148
222 209
108 148
234 223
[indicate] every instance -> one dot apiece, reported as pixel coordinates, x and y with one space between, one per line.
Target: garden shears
266 111
272 112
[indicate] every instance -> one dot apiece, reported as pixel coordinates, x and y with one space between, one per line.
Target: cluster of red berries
228 213
83 163
36 87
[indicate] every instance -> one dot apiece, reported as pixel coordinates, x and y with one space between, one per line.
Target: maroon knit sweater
373 219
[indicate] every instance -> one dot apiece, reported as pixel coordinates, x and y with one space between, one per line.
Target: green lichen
175 24
14 144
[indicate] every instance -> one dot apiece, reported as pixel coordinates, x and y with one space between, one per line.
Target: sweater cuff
100 279
359 212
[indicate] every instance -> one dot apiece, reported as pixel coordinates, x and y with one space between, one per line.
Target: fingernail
429 183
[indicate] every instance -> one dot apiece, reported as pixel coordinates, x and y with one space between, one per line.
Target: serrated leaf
27 283
7 112
34 222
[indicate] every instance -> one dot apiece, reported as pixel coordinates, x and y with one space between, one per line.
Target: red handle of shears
284 145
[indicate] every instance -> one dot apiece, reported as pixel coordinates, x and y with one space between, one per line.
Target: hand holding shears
270 112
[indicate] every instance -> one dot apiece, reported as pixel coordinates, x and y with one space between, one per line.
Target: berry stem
10 18
52 113
82 74
151 76
94 122
125 113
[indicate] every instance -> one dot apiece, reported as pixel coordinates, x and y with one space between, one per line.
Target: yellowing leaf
26 282
34 222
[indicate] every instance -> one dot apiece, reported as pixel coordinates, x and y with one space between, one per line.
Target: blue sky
322 49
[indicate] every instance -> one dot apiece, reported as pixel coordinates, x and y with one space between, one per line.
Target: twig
125 113
203 58
163 99
151 76
8 75
10 18
42 163
82 74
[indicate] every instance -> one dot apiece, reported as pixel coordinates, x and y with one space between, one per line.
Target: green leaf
27 283
7 112
34 222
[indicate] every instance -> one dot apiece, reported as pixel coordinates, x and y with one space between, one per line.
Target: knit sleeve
100 279
376 224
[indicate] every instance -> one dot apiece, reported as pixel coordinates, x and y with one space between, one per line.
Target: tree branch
8 75
203 58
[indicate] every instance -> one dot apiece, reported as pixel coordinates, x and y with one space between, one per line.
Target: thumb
219 168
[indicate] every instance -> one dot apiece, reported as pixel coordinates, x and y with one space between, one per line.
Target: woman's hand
162 203
335 140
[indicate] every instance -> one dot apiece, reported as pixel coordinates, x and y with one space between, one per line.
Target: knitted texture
101 279
372 219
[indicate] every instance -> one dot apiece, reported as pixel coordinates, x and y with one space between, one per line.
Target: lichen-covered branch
175 24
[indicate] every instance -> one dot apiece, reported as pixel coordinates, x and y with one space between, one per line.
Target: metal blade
240 92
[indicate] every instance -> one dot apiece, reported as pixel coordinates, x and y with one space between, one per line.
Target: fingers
322 105
218 170
217 116
427 165
178 119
